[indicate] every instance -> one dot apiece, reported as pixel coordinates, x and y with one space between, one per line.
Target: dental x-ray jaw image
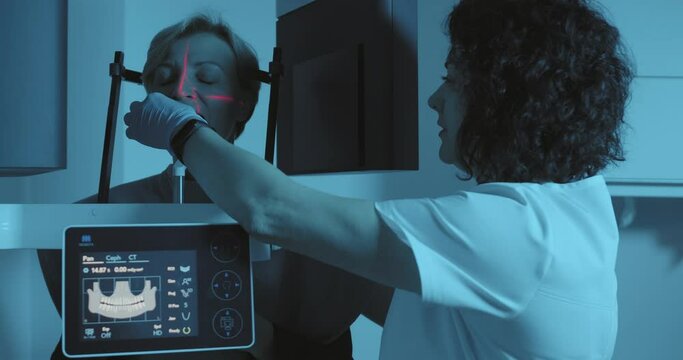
122 303
340 179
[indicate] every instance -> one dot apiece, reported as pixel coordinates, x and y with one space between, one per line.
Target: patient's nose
183 88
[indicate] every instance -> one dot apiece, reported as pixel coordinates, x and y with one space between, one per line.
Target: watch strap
180 138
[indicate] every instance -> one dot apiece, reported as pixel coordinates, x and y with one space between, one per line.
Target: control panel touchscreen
122 294
155 289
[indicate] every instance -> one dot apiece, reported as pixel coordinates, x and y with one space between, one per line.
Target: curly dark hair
545 86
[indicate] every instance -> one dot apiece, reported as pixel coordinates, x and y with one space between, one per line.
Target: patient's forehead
201 47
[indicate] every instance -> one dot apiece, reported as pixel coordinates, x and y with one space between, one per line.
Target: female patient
202 63
521 266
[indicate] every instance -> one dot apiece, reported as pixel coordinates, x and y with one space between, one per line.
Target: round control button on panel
226 285
224 251
227 323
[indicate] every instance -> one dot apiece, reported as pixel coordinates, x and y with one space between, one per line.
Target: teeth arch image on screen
122 303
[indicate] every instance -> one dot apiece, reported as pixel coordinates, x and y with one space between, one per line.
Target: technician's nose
435 100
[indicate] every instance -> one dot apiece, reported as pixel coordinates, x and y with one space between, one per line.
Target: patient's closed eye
207 79
209 74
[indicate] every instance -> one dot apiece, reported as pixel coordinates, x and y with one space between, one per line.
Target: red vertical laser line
181 92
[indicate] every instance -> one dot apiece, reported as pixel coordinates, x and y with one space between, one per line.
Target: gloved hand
154 121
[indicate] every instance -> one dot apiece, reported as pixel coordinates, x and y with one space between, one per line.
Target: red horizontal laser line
225 98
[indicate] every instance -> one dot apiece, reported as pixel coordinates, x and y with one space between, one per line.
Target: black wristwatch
184 134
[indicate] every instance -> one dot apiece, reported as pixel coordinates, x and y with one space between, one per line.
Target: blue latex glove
154 121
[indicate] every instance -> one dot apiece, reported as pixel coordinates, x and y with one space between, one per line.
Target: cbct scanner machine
159 288
155 278
147 278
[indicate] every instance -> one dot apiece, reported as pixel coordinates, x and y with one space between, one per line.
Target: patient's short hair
246 61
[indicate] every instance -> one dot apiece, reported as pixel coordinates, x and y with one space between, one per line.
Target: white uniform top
508 271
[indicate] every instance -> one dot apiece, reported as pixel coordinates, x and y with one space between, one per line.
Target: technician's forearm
275 209
236 180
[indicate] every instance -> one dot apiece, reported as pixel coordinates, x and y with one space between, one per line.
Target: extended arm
343 232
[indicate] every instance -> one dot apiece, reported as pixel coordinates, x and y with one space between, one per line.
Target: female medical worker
202 62
522 266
